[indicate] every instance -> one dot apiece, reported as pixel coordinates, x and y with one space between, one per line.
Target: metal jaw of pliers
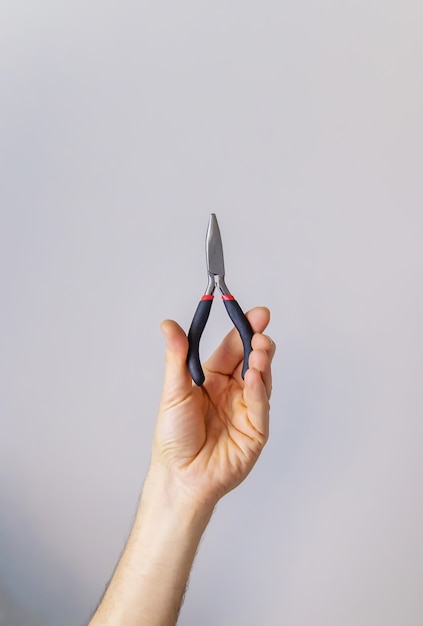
216 278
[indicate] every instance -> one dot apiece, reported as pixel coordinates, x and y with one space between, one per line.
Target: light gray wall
123 125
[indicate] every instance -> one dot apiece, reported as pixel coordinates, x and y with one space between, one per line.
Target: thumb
177 379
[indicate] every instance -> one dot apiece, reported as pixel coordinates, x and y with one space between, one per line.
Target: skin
207 440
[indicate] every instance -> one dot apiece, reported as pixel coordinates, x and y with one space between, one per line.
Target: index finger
228 356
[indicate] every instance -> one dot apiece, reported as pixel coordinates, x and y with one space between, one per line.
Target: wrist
164 494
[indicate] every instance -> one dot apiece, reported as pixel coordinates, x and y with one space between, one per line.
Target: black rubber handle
243 326
198 323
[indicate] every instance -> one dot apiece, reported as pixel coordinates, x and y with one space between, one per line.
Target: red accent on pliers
227 297
207 297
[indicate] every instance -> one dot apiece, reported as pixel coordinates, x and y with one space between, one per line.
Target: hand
208 438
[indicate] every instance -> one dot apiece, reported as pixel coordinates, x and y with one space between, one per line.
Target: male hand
208 438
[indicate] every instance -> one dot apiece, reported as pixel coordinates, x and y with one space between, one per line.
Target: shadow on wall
12 613
34 587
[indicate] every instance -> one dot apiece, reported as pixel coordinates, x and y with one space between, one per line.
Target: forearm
149 582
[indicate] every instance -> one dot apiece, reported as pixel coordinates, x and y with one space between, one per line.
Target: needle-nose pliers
216 278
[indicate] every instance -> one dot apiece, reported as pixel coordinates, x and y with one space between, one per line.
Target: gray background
123 125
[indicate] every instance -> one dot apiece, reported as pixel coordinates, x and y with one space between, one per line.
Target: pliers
216 278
